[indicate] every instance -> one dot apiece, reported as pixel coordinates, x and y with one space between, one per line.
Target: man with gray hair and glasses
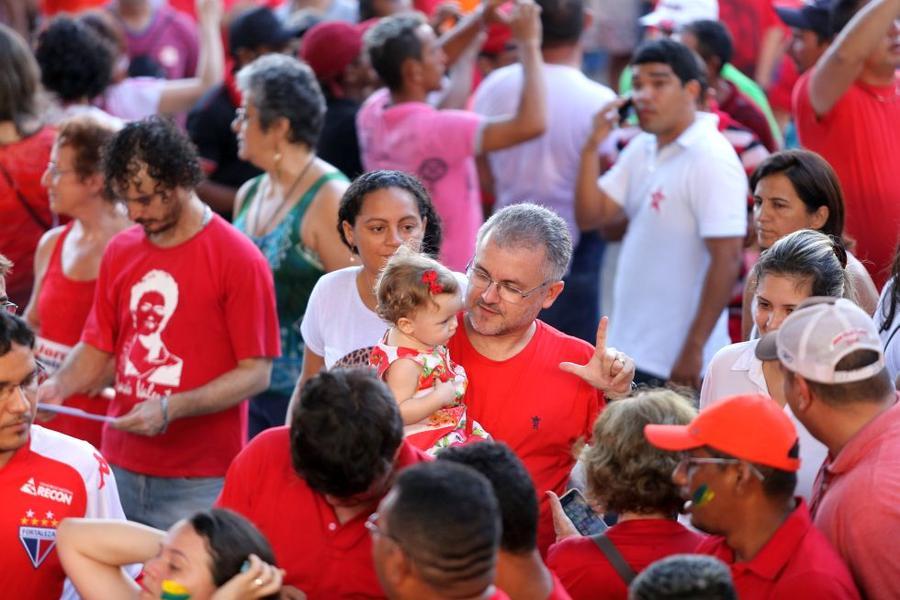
531 386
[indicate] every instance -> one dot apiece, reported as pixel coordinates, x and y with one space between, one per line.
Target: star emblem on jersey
656 199
38 535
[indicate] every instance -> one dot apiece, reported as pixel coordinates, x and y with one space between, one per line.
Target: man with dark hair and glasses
45 476
738 471
436 535
526 383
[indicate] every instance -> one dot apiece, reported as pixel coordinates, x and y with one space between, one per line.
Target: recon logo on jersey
45 490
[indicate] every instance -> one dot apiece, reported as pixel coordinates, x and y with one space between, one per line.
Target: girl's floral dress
447 426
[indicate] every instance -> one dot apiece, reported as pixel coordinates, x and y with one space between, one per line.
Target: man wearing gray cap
837 386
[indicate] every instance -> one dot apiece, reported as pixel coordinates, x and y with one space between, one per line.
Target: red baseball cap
329 47
749 427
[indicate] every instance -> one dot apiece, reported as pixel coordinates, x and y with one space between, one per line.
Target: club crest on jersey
38 535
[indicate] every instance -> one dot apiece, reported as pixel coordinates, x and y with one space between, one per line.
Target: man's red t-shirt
175 319
323 558
534 407
860 138
748 21
52 477
586 573
796 562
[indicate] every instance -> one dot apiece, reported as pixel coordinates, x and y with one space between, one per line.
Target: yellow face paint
172 590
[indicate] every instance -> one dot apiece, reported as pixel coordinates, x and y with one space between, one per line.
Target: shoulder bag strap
23 200
614 557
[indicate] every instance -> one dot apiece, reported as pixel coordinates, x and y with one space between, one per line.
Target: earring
277 159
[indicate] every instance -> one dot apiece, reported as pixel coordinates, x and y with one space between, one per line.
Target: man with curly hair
183 325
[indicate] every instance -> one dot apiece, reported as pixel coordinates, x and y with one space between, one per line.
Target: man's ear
694 89
804 396
398 568
553 292
411 71
588 19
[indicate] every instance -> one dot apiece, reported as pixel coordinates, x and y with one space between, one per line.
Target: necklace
284 199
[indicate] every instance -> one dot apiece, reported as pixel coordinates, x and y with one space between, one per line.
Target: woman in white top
799 265
798 189
887 317
379 211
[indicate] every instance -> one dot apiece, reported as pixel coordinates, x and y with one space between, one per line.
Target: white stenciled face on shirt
152 302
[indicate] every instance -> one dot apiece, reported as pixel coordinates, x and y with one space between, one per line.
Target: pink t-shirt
855 504
175 319
170 41
438 147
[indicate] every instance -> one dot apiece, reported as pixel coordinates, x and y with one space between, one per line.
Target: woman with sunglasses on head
290 211
801 264
798 189
67 261
380 211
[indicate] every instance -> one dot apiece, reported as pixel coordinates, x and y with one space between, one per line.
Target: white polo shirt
694 188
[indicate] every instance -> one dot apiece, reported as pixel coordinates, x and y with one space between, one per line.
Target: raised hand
608 369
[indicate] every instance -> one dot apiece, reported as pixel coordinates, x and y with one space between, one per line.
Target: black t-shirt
338 144
209 125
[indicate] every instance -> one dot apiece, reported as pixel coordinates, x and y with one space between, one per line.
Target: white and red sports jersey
52 477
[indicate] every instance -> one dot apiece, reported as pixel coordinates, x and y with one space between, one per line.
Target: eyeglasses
55 171
480 280
9 306
241 115
687 461
29 385
374 529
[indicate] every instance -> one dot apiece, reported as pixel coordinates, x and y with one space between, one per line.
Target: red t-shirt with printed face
860 138
534 407
49 479
175 319
587 574
323 558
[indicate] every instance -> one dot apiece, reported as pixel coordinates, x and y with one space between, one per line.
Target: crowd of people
526 299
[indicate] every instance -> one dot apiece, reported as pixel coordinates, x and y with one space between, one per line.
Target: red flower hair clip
429 277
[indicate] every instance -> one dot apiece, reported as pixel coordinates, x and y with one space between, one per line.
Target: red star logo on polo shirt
656 199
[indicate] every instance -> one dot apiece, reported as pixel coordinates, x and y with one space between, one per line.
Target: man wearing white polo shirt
683 191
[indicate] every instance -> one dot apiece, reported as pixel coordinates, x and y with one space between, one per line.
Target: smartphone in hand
586 521
626 110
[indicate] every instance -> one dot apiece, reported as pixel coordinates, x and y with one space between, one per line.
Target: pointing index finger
601 335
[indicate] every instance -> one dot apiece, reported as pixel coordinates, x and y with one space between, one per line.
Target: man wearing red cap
333 50
836 384
738 473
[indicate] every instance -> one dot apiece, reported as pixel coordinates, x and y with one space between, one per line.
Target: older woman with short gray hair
290 211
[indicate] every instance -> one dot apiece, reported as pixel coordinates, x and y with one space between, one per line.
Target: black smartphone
626 109
586 521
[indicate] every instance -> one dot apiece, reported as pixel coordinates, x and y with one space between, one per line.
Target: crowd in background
528 299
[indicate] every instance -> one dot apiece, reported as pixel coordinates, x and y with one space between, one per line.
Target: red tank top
63 306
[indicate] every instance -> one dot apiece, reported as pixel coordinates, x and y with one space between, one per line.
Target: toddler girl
420 298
